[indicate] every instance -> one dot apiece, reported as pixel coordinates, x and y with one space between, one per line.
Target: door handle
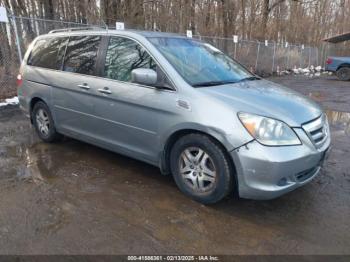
105 91
84 86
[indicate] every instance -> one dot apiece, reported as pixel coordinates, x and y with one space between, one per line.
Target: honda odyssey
177 103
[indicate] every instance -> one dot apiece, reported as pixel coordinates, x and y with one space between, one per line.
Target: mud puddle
339 120
317 95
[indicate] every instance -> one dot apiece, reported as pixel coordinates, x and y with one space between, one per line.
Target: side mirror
144 76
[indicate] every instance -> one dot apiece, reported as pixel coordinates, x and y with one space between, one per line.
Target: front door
129 114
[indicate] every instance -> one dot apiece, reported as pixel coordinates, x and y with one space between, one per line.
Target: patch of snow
308 71
295 71
10 101
305 71
312 71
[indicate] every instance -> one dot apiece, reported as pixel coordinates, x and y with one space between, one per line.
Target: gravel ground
74 198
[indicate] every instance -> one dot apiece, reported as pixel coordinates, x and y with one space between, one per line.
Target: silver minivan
176 103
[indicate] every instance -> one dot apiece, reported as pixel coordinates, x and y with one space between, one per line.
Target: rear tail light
19 80
329 61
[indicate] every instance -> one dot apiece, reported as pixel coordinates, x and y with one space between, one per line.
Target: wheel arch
32 103
343 65
165 159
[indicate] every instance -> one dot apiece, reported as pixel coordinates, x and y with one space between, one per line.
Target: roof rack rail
72 29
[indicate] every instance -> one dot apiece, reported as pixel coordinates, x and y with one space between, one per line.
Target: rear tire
343 73
43 123
201 168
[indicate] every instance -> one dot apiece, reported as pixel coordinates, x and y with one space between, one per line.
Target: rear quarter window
48 53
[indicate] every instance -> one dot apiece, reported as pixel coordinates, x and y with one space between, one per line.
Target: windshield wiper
213 83
250 78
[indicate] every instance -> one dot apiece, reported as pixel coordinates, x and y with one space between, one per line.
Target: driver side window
123 56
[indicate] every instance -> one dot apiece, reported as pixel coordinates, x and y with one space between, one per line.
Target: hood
265 98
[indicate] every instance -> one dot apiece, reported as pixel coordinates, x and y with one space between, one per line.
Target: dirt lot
73 198
332 93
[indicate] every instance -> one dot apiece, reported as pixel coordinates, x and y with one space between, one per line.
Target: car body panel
337 62
269 172
131 116
267 99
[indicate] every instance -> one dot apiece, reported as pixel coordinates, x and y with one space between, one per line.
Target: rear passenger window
48 53
124 55
81 54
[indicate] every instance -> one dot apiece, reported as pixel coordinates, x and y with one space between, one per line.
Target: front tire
43 123
201 168
343 73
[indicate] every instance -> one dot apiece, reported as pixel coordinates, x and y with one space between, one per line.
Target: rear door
71 95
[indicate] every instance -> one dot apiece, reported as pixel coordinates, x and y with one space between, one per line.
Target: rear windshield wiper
250 78
213 83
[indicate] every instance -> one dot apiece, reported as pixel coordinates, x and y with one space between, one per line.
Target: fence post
13 19
235 50
273 57
257 56
309 56
326 53
288 53
235 40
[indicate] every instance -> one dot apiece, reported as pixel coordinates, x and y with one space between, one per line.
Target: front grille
317 130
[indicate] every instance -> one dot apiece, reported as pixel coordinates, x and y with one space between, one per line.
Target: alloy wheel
43 121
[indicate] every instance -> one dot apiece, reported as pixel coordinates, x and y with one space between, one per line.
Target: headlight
268 131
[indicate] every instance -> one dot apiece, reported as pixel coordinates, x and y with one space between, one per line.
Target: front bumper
268 172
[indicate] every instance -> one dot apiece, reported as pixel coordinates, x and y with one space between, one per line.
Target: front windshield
200 64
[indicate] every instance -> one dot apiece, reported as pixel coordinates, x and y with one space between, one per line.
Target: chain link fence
9 60
260 57
267 58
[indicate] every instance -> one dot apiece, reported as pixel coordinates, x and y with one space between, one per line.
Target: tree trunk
265 18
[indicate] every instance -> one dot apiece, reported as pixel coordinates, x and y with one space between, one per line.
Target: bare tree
307 21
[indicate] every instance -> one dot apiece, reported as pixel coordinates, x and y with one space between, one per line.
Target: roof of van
113 31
